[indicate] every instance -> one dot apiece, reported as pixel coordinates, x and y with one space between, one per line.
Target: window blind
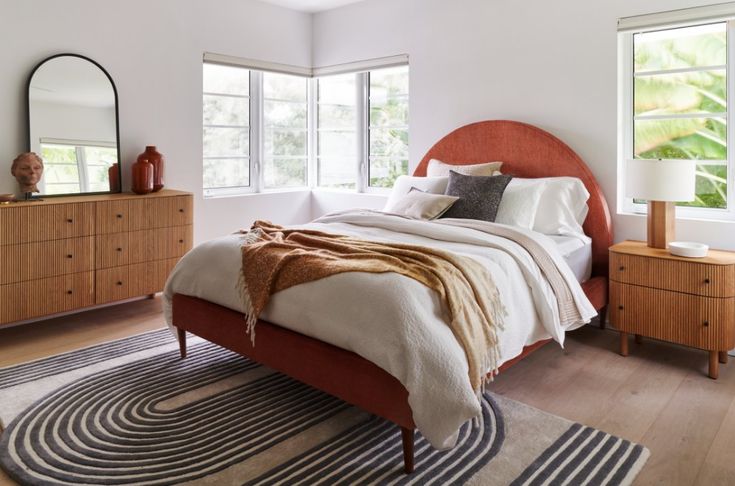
677 18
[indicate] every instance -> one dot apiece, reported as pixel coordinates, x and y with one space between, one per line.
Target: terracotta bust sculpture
27 168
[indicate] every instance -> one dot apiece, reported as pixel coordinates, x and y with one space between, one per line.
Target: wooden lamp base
661 219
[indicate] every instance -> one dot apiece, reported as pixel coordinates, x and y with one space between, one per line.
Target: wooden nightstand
688 301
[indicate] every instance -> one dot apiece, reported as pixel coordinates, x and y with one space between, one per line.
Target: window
285 130
675 106
71 166
226 128
264 130
337 161
388 126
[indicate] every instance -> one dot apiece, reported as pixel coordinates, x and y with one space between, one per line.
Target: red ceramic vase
113 176
142 176
156 158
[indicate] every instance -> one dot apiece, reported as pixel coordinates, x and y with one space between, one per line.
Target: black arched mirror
73 126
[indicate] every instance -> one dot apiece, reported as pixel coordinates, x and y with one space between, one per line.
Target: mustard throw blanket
274 259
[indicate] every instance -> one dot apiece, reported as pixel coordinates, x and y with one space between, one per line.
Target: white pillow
437 168
422 205
404 183
563 207
520 202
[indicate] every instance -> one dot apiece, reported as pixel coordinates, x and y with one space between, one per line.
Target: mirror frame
117 121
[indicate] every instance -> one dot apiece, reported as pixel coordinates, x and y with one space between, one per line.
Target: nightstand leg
603 317
638 339
723 357
714 364
624 343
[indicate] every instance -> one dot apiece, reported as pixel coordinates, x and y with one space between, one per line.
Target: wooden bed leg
407 438
181 333
603 316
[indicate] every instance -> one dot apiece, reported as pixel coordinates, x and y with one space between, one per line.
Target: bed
526 151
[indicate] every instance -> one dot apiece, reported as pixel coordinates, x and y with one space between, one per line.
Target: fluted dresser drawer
45 222
143 213
36 298
117 249
680 276
30 261
129 281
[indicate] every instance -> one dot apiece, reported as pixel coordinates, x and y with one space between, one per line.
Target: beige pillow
422 205
437 168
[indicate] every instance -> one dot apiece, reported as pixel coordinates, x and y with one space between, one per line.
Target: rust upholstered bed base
334 370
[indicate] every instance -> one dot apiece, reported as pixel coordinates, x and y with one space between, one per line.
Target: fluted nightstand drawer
676 275
701 322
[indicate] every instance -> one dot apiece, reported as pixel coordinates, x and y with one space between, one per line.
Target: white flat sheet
393 320
577 254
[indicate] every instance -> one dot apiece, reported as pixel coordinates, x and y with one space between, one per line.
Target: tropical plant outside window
74 167
388 126
680 103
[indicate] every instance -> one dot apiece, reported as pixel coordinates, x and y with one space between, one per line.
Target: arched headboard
528 151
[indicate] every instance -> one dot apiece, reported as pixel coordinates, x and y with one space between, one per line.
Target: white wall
153 51
551 64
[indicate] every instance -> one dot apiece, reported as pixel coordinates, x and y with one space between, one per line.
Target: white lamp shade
660 180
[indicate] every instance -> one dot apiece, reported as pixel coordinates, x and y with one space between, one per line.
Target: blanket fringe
251 318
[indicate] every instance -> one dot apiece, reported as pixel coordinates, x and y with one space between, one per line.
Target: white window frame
256 137
626 116
81 157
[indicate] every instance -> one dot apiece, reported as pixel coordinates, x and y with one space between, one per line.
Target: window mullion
256 131
312 149
363 138
730 76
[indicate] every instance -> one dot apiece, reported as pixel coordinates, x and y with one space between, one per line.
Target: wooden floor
659 396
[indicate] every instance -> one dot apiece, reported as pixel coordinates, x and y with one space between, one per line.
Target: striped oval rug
133 412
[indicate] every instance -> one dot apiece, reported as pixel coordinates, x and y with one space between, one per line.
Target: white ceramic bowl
688 249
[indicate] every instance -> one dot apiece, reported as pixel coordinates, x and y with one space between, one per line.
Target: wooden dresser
688 301
67 253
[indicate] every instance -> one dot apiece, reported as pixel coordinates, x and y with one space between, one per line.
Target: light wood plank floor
659 396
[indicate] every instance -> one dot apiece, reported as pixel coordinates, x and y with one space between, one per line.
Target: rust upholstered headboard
528 151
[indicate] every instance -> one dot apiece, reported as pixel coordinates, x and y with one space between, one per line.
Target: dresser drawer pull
181 241
69 220
181 210
620 307
622 268
119 216
119 282
118 249
705 323
707 281
69 256
69 292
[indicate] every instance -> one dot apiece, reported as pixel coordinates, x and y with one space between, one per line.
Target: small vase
113 176
142 176
156 158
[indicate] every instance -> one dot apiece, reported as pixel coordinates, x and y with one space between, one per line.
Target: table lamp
661 183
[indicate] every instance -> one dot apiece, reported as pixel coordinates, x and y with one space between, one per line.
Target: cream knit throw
274 259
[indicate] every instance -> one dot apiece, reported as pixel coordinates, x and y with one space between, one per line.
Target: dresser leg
723 357
623 343
638 339
714 364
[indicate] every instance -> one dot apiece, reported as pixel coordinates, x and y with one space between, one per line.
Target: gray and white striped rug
132 412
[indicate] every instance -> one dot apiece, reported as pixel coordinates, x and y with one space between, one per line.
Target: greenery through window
680 103
388 125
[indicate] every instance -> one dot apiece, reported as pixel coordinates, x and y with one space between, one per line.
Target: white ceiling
311 5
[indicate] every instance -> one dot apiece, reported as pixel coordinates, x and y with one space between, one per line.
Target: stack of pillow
549 205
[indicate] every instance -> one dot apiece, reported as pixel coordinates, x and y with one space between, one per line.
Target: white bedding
577 254
392 320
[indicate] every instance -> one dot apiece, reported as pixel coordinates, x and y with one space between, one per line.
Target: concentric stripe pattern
27 372
583 456
109 428
371 453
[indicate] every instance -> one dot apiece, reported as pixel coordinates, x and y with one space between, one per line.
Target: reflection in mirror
72 106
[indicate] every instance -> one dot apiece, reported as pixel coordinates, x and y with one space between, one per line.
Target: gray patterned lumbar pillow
479 196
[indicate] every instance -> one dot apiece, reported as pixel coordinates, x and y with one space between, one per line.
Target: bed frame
526 151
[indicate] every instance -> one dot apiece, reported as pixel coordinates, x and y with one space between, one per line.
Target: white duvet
392 320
